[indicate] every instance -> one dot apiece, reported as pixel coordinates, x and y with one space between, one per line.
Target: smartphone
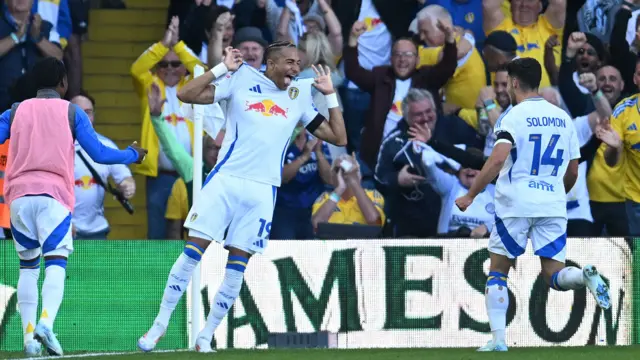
346 166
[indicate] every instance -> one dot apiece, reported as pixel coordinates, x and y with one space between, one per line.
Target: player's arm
493 165
199 90
96 150
332 131
571 176
5 126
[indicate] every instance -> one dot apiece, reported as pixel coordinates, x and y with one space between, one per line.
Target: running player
536 155
262 112
39 190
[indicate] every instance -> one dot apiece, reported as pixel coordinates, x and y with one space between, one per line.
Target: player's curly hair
274 49
48 73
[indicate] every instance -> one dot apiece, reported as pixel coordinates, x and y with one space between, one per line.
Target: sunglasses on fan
166 64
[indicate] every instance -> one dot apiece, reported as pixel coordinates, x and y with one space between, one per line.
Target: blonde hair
318 50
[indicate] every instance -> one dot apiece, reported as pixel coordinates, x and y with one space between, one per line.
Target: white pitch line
75 356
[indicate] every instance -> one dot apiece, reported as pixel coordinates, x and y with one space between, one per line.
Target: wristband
332 101
15 39
491 107
334 197
219 70
598 94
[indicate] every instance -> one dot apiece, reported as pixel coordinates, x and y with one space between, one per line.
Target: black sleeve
386 172
464 158
315 123
623 59
577 103
504 135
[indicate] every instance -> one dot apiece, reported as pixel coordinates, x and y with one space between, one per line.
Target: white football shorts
548 237
244 206
40 225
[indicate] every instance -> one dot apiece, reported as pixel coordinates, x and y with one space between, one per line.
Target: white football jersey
260 121
531 182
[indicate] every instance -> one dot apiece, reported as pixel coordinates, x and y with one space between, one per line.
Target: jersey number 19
547 158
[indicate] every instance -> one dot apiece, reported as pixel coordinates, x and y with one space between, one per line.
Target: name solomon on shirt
546 121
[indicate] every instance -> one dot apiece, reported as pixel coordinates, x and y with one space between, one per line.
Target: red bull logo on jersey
85 182
396 108
267 108
372 23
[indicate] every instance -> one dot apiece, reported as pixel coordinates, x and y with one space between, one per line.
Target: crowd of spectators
421 84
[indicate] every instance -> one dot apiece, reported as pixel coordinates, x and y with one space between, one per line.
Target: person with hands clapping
23 41
306 171
164 64
348 203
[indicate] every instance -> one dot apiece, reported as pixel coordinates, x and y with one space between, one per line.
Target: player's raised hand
464 202
419 132
155 100
232 58
142 153
608 136
322 81
588 80
576 41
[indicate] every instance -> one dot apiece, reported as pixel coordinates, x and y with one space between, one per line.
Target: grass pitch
555 353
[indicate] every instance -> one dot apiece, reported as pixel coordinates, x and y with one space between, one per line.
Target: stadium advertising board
112 294
374 293
416 293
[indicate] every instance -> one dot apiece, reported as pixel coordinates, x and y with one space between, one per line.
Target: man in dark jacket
388 85
413 205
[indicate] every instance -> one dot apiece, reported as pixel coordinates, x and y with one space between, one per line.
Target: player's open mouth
288 79
607 88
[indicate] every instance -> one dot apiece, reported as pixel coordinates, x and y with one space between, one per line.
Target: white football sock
52 290
28 297
497 302
177 283
223 301
569 278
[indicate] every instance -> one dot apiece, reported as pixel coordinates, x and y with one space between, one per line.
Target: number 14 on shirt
547 158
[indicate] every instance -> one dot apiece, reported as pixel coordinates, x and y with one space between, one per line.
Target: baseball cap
248 33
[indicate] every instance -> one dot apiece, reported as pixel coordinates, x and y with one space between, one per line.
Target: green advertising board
112 295
372 293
